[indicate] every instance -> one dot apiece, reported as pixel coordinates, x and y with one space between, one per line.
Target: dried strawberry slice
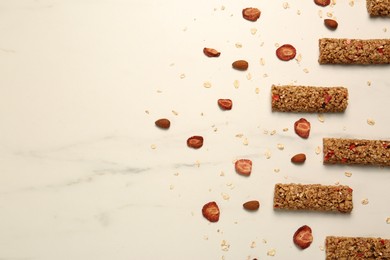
275 97
329 154
243 167
286 52
210 211
302 128
195 142
327 98
303 237
225 104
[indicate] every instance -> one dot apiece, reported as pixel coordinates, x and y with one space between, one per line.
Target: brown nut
322 2
240 65
210 52
331 24
298 158
195 142
251 205
163 123
251 14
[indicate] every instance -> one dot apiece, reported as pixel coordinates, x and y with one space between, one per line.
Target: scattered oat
249 76
159 91
225 196
265 132
239 135
147 112
385 29
262 61
245 142
238 45
285 129
182 76
277 45
333 2
273 132
276 170
318 150
280 146
236 83
329 14
205 237
298 12
320 117
351 3
264 241
286 5
271 252
172 64
171 187
261 44
215 129
253 31
306 70
222 173
320 13
153 146
176 174
225 245
364 201
257 90
265 75
348 174
207 84
369 83
175 113
298 58
322 248
230 185
185 29
253 244
388 220
197 163
268 154
337 183
370 121
223 7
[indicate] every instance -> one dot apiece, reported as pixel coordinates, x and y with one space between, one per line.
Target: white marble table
84 172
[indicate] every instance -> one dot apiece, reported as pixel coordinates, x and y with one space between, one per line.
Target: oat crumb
205 237
388 220
351 3
225 196
364 201
222 173
265 75
271 252
147 112
320 117
370 121
197 163
285 129
306 70
320 13
273 132
280 146
298 58
171 187
249 76
348 174
268 154
257 90
286 5
238 45
298 12
329 14
318 150
368 83
182 75
223 7
253 31
245 141
253 244
175 113
153 146
239 135
262 61
385 29
225 245
207 84
236 83
322 248
276 170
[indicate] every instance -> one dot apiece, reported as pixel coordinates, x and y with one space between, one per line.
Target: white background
82 82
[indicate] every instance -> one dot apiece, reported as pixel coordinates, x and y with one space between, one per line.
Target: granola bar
357 248
378 7
313 197
309 99
355 151
354 51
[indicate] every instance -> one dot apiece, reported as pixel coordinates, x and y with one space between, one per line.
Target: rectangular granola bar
378 7
357 248
313 197
355 151
309 99
354 51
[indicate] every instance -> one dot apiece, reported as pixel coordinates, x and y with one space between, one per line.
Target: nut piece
243 167
322 2
251 205
251 14
163 123
298 158
286 52
303 237
240 65
331 24
225 104
211 211
210 52
195 142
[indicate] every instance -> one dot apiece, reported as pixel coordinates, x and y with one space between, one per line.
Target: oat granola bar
357 248
309 99
378 7
313 197
354 51
355 151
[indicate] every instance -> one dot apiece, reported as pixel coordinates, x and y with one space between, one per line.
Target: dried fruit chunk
163 123
251 14
251 205
195 142
225 104
240 65
298 158
302 128
211 211
210 52
243 167
286 52
331 24
303 237
322 2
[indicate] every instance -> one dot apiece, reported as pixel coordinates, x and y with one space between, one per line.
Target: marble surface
84 172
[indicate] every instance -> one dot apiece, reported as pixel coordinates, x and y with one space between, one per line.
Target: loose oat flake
238 45
322 248
257 90
267 154
225 245
370 121
236 83
253 244
245 142
348 174
271 252
280 146
253 31
175 113
285 129
318 150
207 84
364 201
321 117
286 5
276 170
182 76
388 220
249 76
153 146
225 196
369 83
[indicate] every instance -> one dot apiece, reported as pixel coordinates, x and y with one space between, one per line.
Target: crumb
182 75
318 150
351 3
265 132
320 117
277 45
159 91
265 75
388 220
267 154
273 132
329 14
298 12
306 70
230 185
238 45
298 58
222 173
320 13
236 83
253 31
364 201
385 29
223 7
239 135
225 196
175 113
253 244
285 129
370 121
257 90
271 252
225 245
286 5
205 237
337 183
322 248
369 83
245 142
264 241
147 112
197 163
280 146
207 84
153 146
262 61
248 76
171 187
276 170
348 174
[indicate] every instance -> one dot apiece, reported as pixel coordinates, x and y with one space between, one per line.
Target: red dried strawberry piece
329 154
352 146
211 211
327 98
302 128
286 52
243 167
225 104
344 160
275 97
303 237
195 142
